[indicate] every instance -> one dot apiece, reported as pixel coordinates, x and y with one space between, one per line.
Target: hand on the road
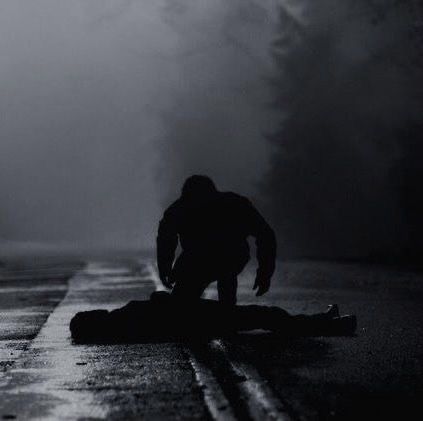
262 285
167 281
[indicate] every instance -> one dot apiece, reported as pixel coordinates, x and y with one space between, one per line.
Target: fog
107 105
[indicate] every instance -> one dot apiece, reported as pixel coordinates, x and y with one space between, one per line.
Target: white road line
49 366
47 382
258 397
217 404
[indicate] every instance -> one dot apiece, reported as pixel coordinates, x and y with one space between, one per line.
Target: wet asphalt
29 292
376 374
56 379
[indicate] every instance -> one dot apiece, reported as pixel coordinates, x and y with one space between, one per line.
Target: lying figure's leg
278 320
164 316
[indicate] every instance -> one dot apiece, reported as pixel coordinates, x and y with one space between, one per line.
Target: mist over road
311 109
106 106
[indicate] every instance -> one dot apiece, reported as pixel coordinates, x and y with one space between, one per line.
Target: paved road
29 292
377 372
54 379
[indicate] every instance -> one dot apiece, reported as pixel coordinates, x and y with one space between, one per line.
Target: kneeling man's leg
189 288
226 289
190 281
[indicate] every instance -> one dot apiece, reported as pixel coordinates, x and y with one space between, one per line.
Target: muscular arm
167 241
266 249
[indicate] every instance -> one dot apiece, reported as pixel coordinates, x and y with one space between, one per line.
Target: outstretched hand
262 285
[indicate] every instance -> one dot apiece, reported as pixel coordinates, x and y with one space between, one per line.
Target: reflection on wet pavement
28 294
55 379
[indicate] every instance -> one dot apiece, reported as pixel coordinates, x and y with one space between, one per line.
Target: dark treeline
346 173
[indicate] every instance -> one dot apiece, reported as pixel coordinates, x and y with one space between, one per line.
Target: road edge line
217 404
258 397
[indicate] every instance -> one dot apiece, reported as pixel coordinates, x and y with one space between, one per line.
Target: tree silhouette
342 172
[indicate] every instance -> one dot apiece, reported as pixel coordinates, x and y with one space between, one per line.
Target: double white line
253 391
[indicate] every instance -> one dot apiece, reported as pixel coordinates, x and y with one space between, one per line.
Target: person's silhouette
212 228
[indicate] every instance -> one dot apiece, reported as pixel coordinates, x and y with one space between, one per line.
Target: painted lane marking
254 391
258 398
215 400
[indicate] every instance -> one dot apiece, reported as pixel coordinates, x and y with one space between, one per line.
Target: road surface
252 376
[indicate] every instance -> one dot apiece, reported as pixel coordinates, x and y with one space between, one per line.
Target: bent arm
167 241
